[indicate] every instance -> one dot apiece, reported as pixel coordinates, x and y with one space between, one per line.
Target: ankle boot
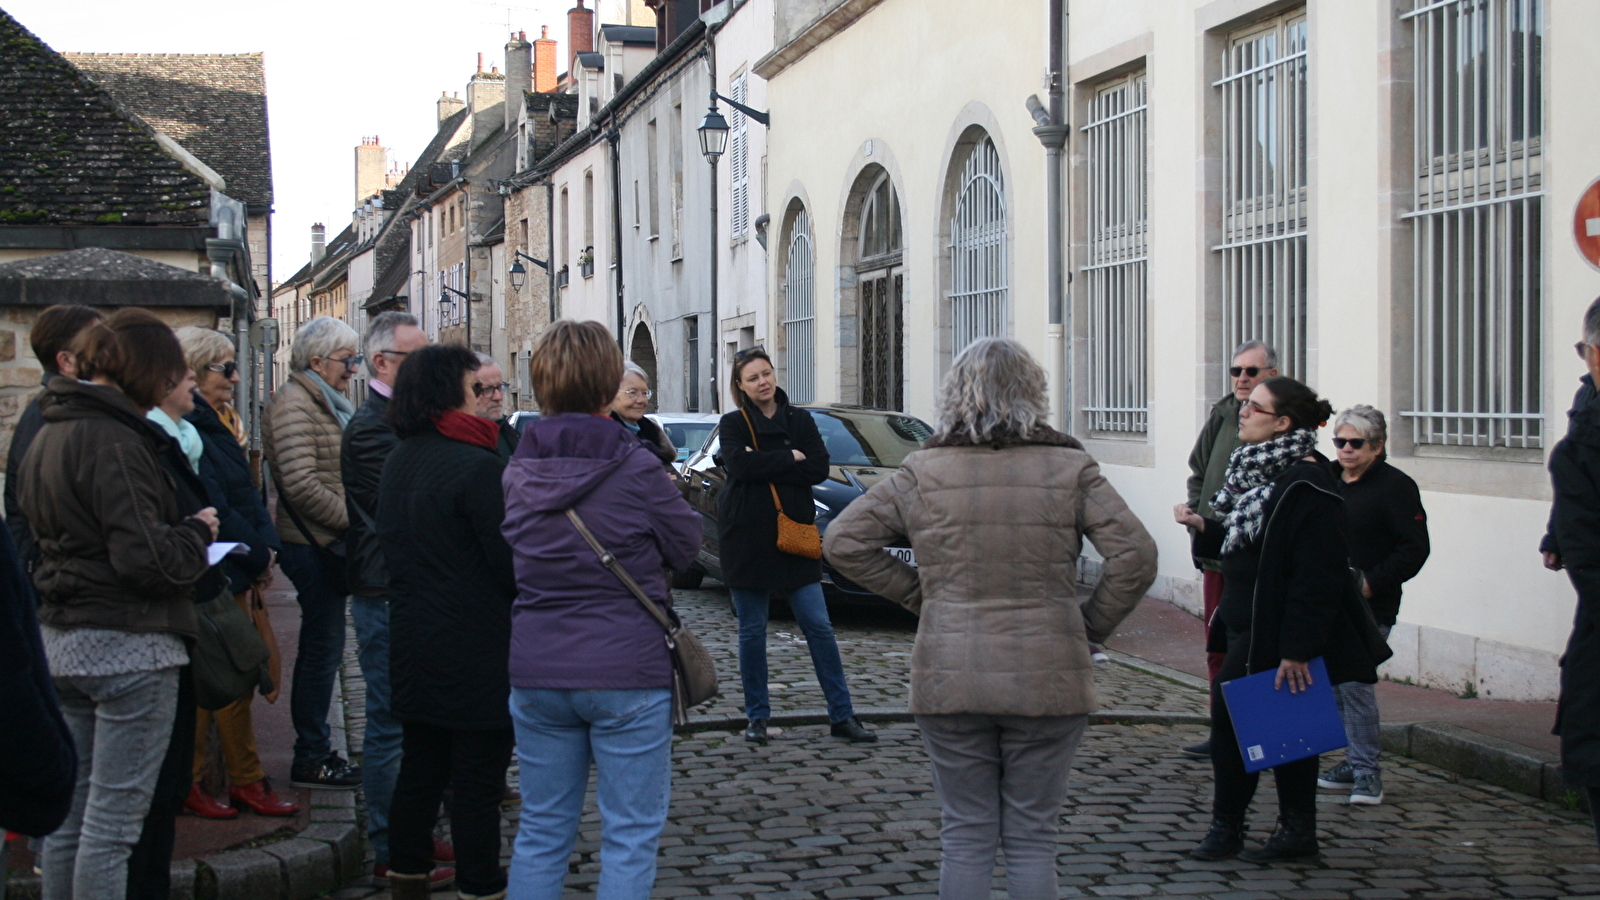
409 887
1223 841
1296 838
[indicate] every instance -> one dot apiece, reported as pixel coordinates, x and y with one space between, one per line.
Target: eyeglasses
1352 443
1247 371
350 362
748 352
396 352
1251 407
635 393
226 369
1579 346
479 388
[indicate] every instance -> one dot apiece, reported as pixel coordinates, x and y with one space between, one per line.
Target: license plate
904 554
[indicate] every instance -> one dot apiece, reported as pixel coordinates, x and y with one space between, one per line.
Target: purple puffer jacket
574 625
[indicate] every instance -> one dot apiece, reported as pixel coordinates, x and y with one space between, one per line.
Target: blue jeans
628 735
380 748
317 659
811 613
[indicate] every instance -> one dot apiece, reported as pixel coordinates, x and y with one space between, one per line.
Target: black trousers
1297 781
472 765
150 863
1594 808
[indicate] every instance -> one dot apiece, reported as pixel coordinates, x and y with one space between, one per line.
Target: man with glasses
390 338
489 389
1572 542
1253 363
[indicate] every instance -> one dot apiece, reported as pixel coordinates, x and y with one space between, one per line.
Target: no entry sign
1586 224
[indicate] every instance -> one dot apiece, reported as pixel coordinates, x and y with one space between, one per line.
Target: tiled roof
629 34
215 105
71 155
106 278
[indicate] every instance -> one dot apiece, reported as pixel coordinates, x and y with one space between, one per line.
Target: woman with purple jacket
591 677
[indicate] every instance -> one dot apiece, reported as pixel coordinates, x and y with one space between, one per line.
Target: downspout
550 238
1053 132
466 256
614 137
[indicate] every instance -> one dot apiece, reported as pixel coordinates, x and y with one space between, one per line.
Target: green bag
229 659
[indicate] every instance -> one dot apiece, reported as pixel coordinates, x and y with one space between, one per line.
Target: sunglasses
479 388
1582 347
1352 443
748 352
1251 407
226 369
1248 371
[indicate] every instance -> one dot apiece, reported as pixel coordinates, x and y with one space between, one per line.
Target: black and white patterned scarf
1248 484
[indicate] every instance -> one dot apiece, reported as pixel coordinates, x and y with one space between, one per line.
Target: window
739 162
675 150
880 287
588 211
1477 237
1264 196
1117 221
564 227
799 312
636 220
691 392
978 250
654 184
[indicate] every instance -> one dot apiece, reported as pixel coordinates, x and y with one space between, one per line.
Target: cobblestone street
809 816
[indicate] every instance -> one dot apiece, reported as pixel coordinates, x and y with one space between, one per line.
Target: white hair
994 389
629 367
320 337
380 335
485 359
1366 420
204 346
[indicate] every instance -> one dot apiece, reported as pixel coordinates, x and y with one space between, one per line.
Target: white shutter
739 139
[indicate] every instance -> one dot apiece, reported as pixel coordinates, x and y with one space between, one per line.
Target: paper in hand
217 551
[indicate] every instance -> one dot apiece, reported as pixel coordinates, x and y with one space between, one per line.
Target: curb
885 715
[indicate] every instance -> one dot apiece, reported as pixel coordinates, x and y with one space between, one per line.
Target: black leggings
1297 781
472 765
1594 809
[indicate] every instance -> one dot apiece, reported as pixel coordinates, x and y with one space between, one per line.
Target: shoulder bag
694 677
229 659
332 555
794 538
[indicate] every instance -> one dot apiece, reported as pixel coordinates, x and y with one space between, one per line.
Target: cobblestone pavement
811 817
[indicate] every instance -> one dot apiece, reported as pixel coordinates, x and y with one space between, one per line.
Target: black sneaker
851 730
756 731
1198 751
333 773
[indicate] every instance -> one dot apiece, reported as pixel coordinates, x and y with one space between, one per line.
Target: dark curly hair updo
430 383
1299 402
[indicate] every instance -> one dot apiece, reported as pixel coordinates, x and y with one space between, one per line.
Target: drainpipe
466 249
550 238
613 137
1052 132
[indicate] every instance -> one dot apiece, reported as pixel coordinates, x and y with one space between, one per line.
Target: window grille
881 298
1477 233
691 391
1118 217
739 162
799 313
978 250
1265 199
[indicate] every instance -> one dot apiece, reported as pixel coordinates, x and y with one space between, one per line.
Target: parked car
520 419
687 431
865 446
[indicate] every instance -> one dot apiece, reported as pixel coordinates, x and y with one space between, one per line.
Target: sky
337 70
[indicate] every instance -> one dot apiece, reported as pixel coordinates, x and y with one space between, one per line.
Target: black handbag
1366 623
229 658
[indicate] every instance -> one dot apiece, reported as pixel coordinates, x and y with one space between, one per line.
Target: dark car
865 446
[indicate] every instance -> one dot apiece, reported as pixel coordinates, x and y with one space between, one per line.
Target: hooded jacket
747 520
241 512
115 552
574 625
1575 534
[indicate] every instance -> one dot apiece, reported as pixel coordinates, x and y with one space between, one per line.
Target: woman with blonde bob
997 505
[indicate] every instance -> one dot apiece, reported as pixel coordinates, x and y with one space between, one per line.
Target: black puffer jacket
368 441
1289 591
653 438
241 513
747 520
1575 535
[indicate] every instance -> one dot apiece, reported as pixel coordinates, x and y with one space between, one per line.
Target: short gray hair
319 338
629 367
994 389
1247 346
485 359
1591 323
204 346
380 335
1366 420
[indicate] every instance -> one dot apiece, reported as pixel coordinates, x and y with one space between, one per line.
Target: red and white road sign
1586 224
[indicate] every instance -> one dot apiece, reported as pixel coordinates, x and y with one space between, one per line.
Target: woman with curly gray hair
997 505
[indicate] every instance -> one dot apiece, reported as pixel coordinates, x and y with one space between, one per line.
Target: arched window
880 221
880 283
978 250
799 312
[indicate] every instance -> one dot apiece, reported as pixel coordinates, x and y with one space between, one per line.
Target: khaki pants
236 732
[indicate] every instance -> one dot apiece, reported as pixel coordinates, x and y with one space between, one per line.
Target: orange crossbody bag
794 538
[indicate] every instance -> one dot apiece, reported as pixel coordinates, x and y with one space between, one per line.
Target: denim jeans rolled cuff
811 614
627 735
317 658
381 745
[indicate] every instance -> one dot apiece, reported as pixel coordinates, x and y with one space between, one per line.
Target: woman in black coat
1285 596
767 444
451 586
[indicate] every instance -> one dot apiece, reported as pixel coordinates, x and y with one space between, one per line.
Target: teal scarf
342 408
187 436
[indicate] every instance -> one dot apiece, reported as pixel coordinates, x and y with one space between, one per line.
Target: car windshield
687 436
524 419
869 439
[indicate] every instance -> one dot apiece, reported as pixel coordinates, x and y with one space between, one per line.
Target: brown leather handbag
794 538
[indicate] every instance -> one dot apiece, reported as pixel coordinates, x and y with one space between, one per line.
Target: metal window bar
978 291
1478 223
1265 204
692 340
799 313
1118 223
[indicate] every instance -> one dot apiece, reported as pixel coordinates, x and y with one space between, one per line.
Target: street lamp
445 291
519 273
713 135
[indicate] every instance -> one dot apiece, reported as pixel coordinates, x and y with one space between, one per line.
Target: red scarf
467 429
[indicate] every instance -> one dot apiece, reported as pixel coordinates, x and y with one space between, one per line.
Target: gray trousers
1001 782
122 725
1358 707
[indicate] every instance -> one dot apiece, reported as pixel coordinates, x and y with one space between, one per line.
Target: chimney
372 162
544 62
580 36
448 106
319 243
519 77
480 62
486 94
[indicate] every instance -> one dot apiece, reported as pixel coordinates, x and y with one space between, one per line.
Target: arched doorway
642 351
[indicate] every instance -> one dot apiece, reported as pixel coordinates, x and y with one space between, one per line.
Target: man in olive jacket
1253 363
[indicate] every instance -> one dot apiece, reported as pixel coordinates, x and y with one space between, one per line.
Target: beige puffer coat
997 529
301 437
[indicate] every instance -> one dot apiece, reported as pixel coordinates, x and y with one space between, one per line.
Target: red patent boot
261 798
205 806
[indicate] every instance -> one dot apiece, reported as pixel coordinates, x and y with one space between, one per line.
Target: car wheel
689 579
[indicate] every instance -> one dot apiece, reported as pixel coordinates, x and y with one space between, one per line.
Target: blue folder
1276 727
